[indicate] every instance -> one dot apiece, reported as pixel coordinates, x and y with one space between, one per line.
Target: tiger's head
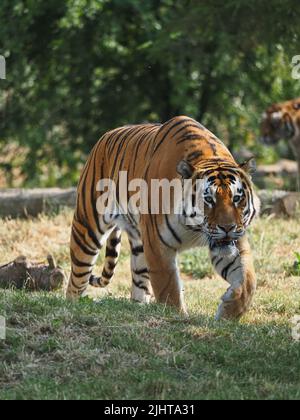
230 204
281 121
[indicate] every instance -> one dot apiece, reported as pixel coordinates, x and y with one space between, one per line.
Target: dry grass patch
118 349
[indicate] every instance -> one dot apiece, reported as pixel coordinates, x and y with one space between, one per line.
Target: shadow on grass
117 349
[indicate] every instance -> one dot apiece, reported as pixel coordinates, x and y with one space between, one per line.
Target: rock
287 206
268 198
279 203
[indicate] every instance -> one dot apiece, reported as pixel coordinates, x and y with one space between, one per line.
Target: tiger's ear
185 169
249 166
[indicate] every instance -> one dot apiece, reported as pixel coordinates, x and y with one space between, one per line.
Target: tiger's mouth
225 248
223 243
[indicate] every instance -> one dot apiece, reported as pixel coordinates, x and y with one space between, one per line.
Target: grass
115 349
295 269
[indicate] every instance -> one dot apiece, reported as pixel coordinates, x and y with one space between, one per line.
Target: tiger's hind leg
86 244
113 248
238 271
85 247
141 286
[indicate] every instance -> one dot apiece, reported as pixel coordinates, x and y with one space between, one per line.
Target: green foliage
196 263
80 67
295 270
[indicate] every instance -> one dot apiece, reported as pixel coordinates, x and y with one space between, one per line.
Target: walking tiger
180 149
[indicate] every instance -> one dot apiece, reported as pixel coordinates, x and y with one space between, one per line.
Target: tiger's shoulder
185 138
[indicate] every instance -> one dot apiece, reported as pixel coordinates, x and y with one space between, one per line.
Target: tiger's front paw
229 312
235 303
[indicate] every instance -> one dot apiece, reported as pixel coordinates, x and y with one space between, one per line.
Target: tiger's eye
209 200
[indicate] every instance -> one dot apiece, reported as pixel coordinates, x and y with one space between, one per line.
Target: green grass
295 269
115 349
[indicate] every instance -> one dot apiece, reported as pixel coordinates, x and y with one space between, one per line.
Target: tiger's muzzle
225 235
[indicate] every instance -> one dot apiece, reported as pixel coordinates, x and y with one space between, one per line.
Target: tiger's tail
113 248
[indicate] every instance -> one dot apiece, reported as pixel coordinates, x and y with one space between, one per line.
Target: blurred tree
80 67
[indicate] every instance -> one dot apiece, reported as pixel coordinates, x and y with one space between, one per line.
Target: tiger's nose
228 228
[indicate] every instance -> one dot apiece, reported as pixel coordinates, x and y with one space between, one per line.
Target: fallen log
31 203
23 274
281 168
22 203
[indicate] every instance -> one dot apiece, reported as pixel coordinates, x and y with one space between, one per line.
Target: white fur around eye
276 116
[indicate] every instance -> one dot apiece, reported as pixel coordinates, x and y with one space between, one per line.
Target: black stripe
82 247
172 230
239 267
111 253
160 236
121 145
218 262
93 201
82 237
131 136
94 279
115 137
79 263
94 237
214 259
140 285
212 179
213 148
221 169
232 178
169 131
86 167
135 133
195 155
83 186
137 250
199 126
81 275
254 211
114 242
137 148
111 265
107 275
189 137
225 270
77 287
142 271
